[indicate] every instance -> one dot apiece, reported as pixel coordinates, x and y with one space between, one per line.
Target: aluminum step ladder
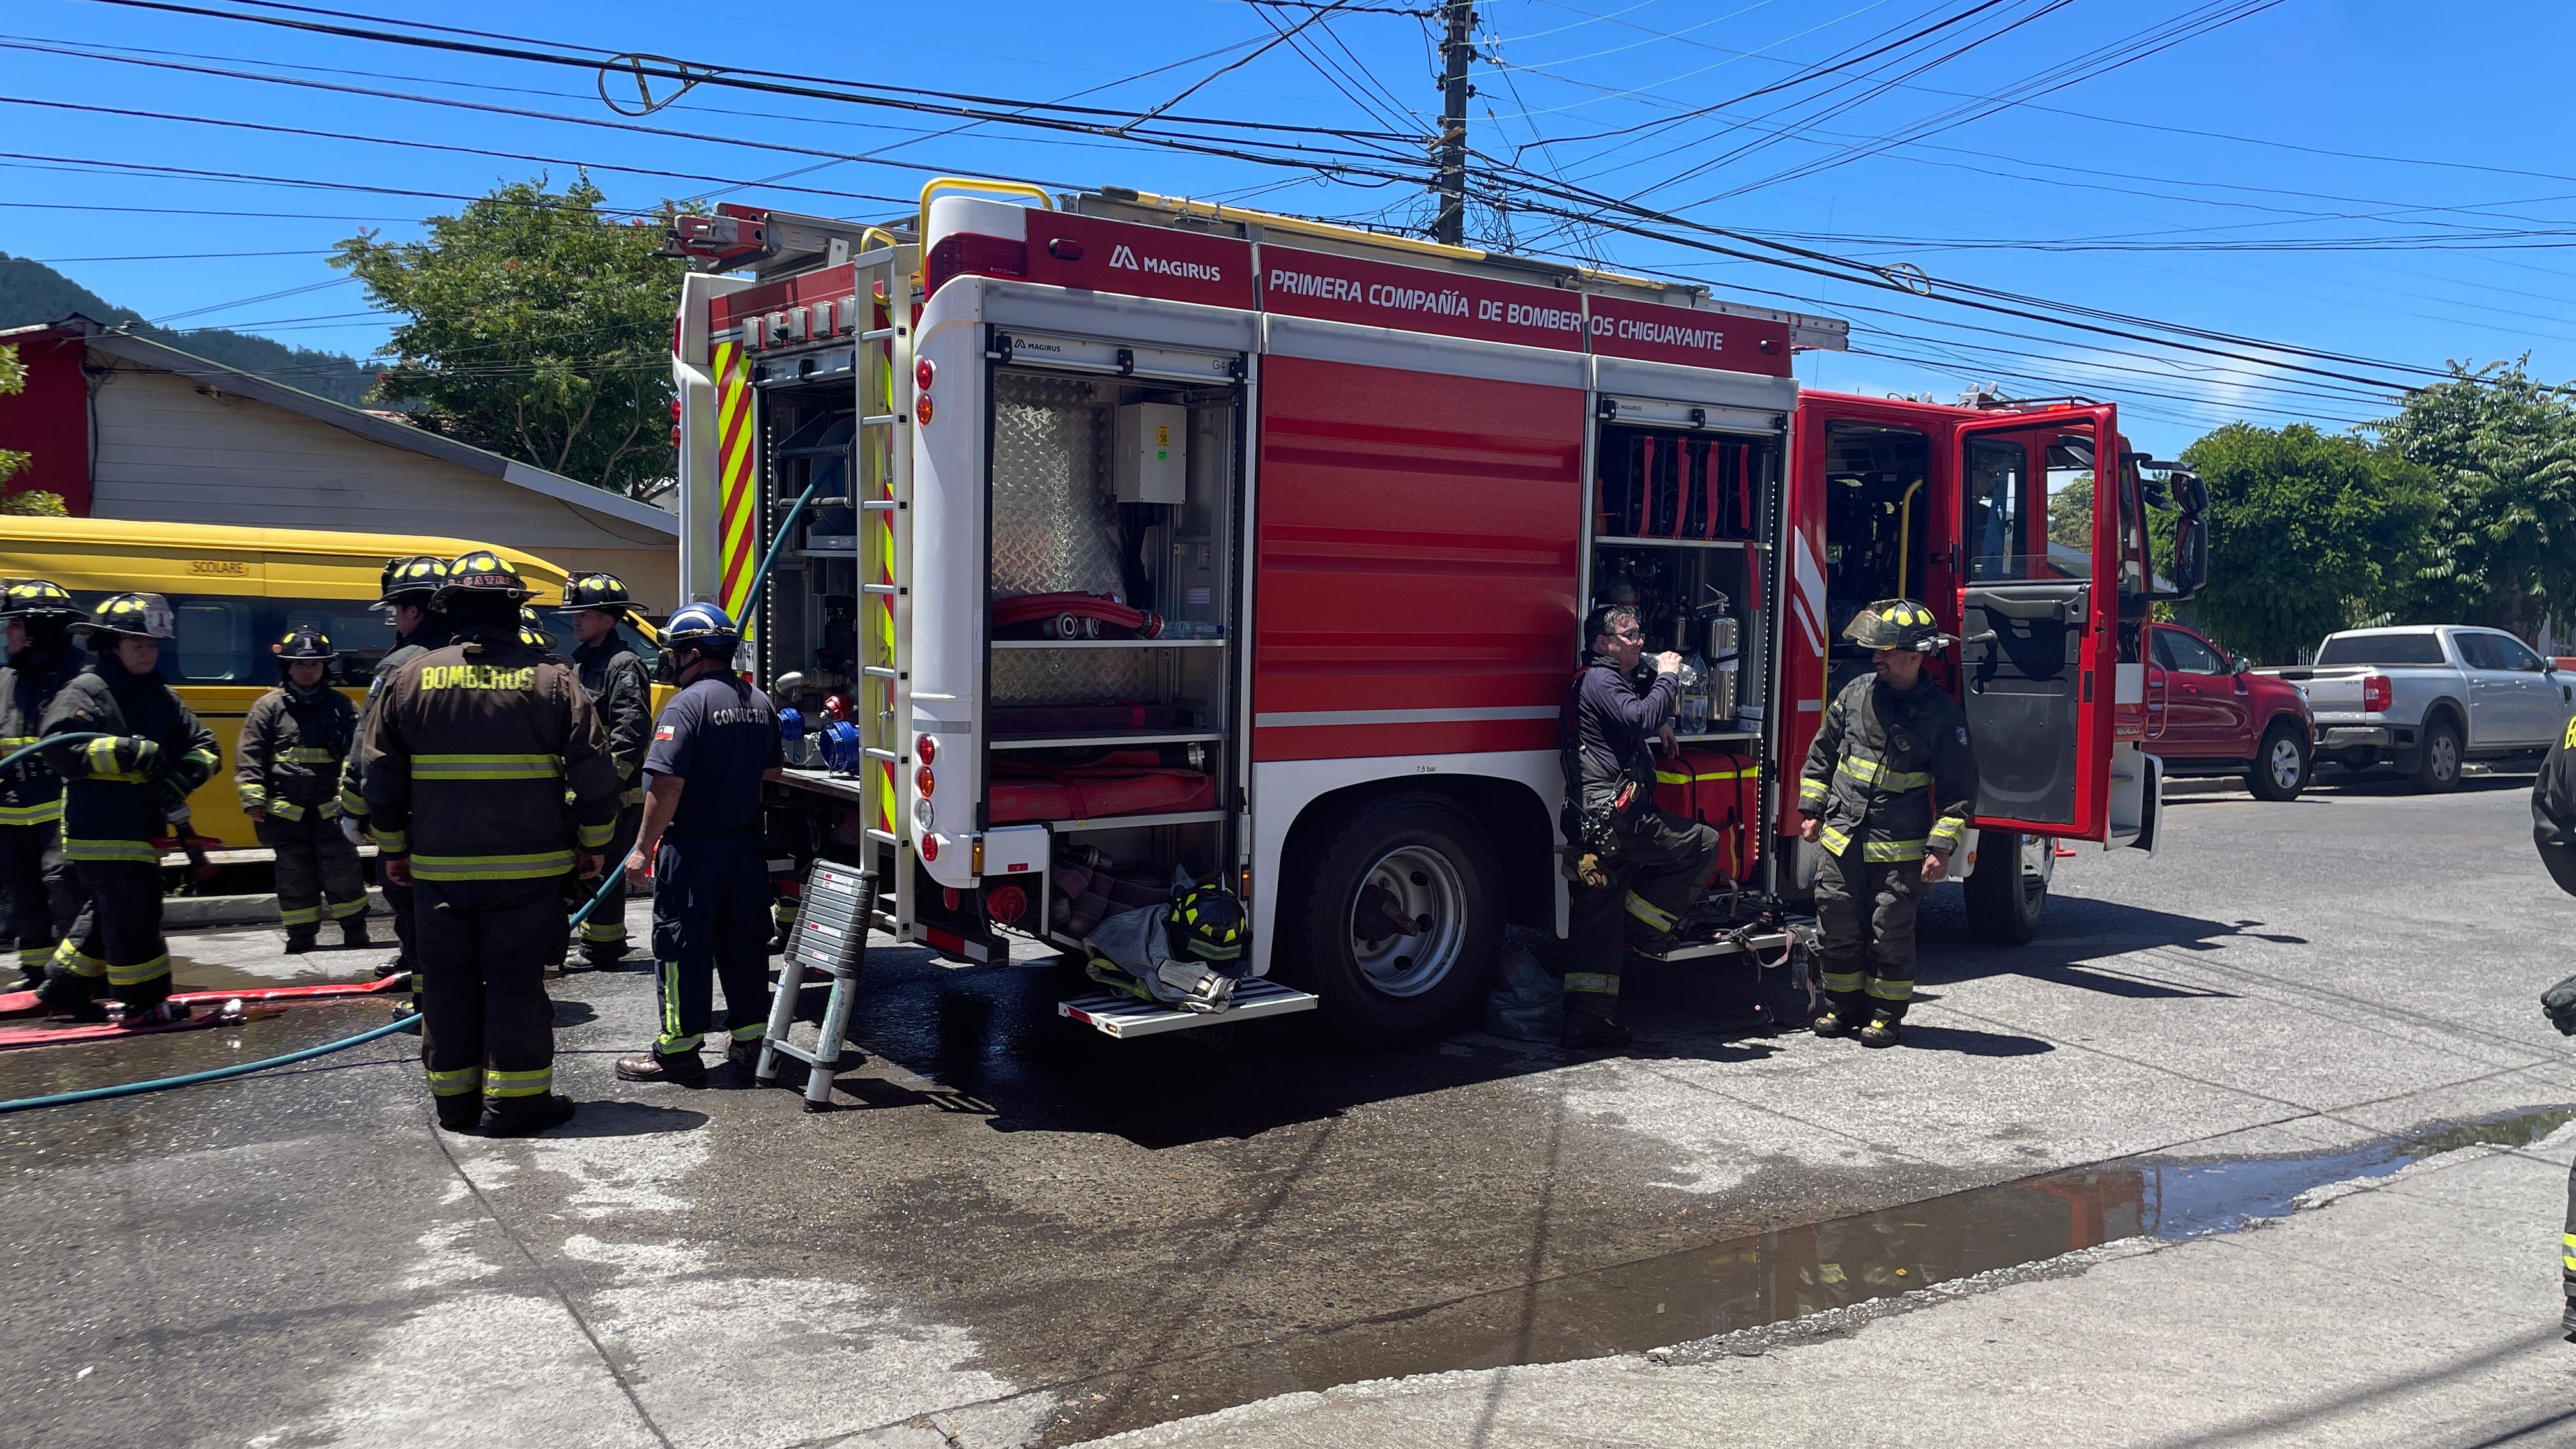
830 936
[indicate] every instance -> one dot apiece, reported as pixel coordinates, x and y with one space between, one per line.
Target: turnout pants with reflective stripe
2567 1248
42 900
710 920
486 1025
603 936
315 864
1866 911
1659 869
120 931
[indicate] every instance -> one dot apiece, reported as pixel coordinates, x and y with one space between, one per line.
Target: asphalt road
1018 1232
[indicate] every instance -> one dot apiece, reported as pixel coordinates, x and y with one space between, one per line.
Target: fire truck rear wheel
1403 920
2010 886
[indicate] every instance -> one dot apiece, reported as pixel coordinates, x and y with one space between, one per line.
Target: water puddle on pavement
1774 1277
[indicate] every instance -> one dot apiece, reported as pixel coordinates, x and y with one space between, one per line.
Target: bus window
215 642
360 634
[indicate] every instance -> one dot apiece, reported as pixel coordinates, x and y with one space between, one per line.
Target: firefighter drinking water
42 659
287 771
488 781
621 689
1636 870
1886 792
716 741
119 792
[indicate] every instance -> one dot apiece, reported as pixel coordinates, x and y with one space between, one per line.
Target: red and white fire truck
1134 535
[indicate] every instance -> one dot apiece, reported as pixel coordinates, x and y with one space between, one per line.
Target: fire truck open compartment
1117 737
807 432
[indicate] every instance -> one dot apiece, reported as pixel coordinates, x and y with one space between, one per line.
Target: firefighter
408 595
621 689
2553 830
38 614
1887 791
287 769
119 793
488 781
1637 871
713 745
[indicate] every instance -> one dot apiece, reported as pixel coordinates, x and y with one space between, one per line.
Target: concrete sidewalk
2417 1309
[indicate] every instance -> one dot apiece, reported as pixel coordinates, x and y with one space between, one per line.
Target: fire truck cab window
1997 500
1878 524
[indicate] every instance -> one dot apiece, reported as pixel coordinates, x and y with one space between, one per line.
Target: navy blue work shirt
719 735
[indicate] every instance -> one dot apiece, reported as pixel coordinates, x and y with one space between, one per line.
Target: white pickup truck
2423 698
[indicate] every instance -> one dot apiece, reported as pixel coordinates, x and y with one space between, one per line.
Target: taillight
930 847
925 781
927 747
960 252
2376 696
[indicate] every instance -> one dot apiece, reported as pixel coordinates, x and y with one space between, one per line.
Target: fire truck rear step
1114 1014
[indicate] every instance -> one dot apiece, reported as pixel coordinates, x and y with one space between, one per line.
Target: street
1017 1232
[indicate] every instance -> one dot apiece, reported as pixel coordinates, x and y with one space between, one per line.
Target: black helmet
1207 921
1897 624
413 580
132 616
532 630
597 591
303 642
37 599
486 573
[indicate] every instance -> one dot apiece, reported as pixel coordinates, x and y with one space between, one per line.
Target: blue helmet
703 627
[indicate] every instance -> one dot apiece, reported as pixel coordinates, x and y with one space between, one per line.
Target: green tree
2309 533
2500 547
2070 514
13 380
538 327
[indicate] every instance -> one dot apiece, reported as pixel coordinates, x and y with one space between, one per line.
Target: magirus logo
1122 257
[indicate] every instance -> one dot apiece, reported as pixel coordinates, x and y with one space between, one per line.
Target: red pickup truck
2208 714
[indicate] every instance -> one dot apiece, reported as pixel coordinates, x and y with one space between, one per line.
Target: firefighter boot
68 993
460 1114
353 932
686 1068
1881 1031
1591 1006
525 1116
1833 1021
300 939
2567 1320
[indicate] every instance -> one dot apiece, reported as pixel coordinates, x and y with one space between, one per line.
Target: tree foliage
537 327
13 380
2500 546
2309 533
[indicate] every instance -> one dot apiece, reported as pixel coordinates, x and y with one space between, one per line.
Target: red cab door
2209 708
2038 656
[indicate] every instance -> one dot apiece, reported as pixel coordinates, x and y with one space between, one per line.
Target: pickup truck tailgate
2330 691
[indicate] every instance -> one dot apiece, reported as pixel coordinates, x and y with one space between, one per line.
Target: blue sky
2349 176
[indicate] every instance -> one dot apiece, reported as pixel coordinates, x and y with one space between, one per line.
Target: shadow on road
1971 1043
628 1119
990 1043
2077 931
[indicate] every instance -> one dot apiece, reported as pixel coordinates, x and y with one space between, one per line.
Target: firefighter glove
2560 1002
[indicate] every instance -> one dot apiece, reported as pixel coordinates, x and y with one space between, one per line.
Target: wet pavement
1019 1232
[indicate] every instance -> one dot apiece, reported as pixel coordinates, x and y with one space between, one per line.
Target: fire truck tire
2009 888
1415 859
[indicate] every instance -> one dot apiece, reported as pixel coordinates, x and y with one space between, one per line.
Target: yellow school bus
236 591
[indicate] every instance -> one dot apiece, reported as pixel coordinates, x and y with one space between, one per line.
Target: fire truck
1115 539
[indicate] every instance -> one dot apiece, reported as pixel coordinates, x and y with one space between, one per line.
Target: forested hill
31 292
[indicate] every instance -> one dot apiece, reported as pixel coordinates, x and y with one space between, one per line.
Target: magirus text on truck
1141 541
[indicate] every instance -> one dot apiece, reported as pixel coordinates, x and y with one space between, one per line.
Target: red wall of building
51 420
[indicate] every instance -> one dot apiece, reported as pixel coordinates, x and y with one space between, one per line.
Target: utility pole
1451 224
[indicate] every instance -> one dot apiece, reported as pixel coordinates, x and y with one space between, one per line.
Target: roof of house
373 426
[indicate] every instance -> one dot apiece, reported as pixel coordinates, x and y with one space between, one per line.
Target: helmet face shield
1897 624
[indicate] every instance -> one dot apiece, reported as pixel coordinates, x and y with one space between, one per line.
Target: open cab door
2038 654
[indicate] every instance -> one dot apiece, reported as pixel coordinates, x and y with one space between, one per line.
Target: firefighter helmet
1897 624
132 616
483 572
1206 921
532 630
702 627
37 599
413 580
303 642
597 591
